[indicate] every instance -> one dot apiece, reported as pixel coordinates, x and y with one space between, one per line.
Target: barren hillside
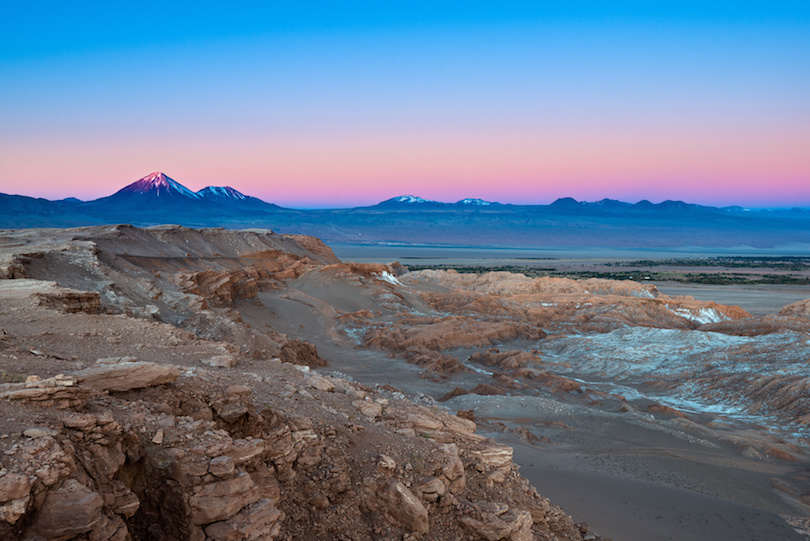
171 383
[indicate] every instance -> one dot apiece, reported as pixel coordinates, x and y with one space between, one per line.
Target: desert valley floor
358 400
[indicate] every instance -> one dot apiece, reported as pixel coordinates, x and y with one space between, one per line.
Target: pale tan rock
403 506
494 523
127 376
458 425
453 469
68 511
106 460
492 455
221 361
40 432
157 439
386 463
48 474
15 492
231 408
260 520
221 466
244 450
367 408
79 421
192 468
279 443
50 397
116 360
221 500
498 476
238 390
167 421
496 508
422 422
124 501
110 529
799 309
316 381
431 489
71 301
267 482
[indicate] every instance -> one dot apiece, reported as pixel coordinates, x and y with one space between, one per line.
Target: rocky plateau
169 383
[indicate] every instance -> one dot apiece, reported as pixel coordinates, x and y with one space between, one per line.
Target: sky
337 104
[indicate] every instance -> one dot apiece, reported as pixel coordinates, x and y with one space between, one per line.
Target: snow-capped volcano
158 194
408 199
158 185
410 203
475 202
223 192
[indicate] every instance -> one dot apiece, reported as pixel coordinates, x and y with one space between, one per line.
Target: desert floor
628 478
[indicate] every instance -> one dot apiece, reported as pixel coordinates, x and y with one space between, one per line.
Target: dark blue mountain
158 199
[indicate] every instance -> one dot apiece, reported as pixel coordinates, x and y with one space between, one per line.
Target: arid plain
645 415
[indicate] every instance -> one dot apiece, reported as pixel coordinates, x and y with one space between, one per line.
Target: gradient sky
310 104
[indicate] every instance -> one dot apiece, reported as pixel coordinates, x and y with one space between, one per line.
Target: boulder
40 432
492 455
238 390
221 500
244 450
15 492
127 376
431 489
221 466
303 353
368 408
492 522
71 301
110 529
68 511
56 396
316 381
453 469
261 520
403 506
124 501
221 361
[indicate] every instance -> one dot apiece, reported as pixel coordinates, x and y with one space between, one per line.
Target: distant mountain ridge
157 194
159 199
225 192
410 201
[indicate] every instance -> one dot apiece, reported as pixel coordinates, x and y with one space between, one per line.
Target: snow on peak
473 201
159 184
409 199
221 191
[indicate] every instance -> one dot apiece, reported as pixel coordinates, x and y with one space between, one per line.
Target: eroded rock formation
121 427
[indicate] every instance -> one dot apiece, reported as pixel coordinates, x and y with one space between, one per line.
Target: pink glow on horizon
748 168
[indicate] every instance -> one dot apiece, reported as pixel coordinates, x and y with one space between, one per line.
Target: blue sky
520 102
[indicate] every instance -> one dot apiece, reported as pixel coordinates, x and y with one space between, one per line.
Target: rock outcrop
146 449
72 301
126 376
174 399
800 309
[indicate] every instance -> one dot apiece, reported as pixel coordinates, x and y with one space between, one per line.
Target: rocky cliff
118 424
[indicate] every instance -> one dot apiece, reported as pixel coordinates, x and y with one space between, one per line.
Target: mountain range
157 199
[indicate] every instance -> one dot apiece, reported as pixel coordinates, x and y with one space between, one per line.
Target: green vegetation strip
713 278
